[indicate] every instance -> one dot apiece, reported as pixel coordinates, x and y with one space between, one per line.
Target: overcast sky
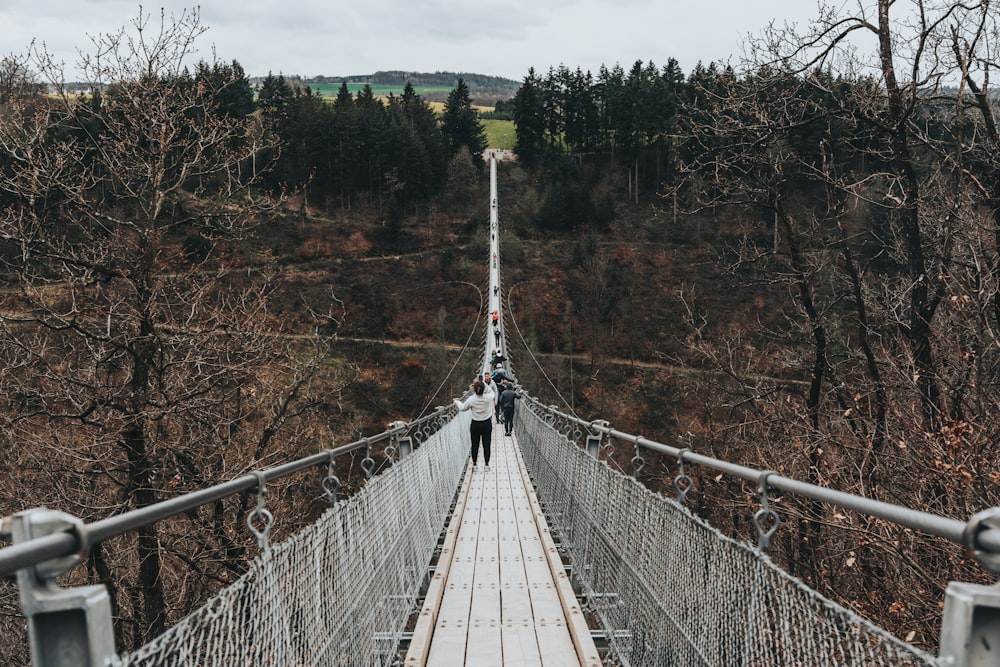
346 37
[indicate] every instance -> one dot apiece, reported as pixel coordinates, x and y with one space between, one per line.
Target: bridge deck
500 595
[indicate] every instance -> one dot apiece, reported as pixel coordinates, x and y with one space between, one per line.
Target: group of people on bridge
492 397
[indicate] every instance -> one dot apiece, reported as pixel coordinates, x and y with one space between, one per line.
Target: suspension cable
524 344
468 343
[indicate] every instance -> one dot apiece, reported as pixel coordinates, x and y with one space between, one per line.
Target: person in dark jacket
506 403
499 379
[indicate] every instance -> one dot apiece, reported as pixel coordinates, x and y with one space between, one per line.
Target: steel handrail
984 538
57 545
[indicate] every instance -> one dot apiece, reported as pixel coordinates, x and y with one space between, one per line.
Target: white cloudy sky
345 37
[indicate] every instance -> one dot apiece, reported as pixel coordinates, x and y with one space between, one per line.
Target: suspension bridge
552 557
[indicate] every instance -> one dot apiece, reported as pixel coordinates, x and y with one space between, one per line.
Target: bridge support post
970 627
404 446
67 627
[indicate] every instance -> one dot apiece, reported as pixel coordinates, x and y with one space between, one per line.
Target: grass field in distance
499 133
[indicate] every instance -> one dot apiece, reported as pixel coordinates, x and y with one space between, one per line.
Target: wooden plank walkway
500 595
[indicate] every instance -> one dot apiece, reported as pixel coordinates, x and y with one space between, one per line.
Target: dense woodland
792 263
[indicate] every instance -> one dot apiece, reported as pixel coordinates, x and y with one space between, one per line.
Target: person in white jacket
481 404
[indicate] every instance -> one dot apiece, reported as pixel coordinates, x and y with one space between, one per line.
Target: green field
499 133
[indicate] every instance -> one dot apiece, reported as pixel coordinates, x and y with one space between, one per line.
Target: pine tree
345 144
234 95
460 125
529 119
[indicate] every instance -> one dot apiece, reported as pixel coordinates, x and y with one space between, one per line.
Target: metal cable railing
670 589
339 592
393 524
981 534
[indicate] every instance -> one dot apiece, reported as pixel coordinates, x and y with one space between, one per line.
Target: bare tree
16 78
138 357
869 169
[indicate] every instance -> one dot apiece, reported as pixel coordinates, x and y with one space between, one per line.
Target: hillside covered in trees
792 265
483 88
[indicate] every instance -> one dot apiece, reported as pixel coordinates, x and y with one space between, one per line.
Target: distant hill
433 86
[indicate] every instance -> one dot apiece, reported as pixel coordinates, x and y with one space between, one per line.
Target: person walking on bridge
480 403
506 403
499 380
493 387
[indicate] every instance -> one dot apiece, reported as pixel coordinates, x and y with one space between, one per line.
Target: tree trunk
880 430
921 308
153 620
811 526
135 441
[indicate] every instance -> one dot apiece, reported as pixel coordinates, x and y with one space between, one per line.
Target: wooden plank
502 603
452 627
519 641
572 616
420 644
484 616
552 634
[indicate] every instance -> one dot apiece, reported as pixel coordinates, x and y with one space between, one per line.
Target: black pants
481 431
508 419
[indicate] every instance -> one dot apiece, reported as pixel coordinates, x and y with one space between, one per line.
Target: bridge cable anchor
330 483
970 624
67 627
400 445
261 514
368 463
682 483
985 520
765 514
638 463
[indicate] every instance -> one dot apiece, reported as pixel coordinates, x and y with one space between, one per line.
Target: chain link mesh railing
340 591
669 589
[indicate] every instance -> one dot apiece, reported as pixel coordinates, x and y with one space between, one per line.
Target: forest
791 263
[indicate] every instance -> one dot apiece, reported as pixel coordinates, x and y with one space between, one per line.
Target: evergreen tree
462 193
613 109
344 147
234 94
272 100
425 124
460 125
529 119
580 110
371 125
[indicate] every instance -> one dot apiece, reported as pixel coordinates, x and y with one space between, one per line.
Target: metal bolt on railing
682 483
330 483
261 514
368 463
638 463
765 514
